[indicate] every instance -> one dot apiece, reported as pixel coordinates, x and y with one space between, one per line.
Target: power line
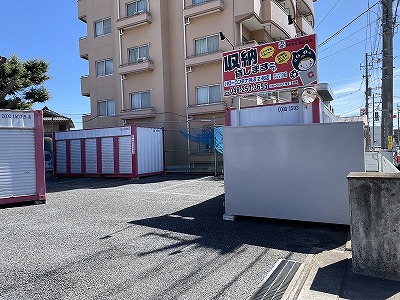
326 14
343 28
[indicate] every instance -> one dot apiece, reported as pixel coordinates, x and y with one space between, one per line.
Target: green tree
21 83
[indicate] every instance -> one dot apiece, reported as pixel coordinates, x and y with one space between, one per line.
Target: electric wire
347 25
326 14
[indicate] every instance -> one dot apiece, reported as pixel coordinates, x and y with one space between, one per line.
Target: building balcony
247 8
140 66
203 8
304 25
131 114
135 20
306 8
275 20
206 109
248 44
85 86
206 58
82 10
83 47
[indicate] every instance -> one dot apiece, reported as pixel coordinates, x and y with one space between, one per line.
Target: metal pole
367 143
398 123
387 72
373 121
215 151
237 103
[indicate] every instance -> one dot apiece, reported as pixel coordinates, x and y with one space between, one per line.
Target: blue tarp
213 139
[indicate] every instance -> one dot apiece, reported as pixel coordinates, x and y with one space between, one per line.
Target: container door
107 155
61 156
17 163
91 156
125 154
76 156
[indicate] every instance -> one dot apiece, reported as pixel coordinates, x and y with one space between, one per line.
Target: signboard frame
276 66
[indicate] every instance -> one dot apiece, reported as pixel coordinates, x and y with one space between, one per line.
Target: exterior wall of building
172 70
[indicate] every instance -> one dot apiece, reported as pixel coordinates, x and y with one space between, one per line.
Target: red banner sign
281 65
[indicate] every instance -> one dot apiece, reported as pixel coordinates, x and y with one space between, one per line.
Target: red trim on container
134 151
116 154
22 199
68 155
39 154
316 111
54 154
99 156
97 175
228 117
83 156
163 143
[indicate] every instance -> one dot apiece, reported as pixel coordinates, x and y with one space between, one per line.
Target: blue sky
50 30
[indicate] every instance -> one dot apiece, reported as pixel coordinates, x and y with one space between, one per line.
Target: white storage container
22 172
127 151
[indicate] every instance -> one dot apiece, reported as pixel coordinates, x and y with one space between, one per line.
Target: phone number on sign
246 89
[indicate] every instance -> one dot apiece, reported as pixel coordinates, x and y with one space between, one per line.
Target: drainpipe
186 79
119 10
120 33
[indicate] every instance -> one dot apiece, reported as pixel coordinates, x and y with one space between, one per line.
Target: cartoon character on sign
304 64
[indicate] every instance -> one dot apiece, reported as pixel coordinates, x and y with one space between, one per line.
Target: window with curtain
135 7
140 100
208 44
102 27
138 54
106 108
104 67
208 94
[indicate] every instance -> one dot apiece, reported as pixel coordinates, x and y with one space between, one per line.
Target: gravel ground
160 237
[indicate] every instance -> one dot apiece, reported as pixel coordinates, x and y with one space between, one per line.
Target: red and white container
127 151
22 173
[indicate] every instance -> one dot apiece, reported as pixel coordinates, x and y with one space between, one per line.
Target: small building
53 121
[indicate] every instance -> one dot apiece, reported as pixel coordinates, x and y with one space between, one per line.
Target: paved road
161 237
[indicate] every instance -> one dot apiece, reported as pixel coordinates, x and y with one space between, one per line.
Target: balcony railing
130 114
276 19
306 8
85 86
304 25
82 10
135 20
203 8
206 109
83 47
140 66
202 59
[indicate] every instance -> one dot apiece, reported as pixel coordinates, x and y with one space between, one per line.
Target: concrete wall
293 172
374 224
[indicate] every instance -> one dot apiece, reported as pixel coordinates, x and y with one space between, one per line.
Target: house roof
52 116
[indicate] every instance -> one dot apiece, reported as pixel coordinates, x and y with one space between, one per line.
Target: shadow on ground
60 184
354 286
205 221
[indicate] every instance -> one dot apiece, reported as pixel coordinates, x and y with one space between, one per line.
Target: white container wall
127 151
22 174
292 172
281 114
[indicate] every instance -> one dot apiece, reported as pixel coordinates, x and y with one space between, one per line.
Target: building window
208 44
106 108
197 2
104 67
140 100
208 94
136 7
102 27
138 54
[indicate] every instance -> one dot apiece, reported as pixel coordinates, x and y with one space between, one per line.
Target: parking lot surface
160 237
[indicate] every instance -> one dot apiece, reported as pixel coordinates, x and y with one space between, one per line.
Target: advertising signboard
280 65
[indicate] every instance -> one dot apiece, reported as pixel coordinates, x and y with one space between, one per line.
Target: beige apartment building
158 62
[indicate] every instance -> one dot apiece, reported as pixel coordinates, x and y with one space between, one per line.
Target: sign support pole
237 103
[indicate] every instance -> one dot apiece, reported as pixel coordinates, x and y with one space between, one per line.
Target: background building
158 63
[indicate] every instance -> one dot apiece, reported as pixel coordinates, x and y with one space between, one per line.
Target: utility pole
367 94
387 73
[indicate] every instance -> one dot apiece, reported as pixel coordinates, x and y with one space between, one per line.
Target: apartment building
158 62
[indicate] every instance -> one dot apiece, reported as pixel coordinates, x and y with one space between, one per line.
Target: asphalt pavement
160 237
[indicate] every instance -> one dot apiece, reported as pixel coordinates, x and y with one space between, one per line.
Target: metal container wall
22 170
116 152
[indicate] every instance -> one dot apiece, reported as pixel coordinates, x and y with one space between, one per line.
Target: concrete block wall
375 224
